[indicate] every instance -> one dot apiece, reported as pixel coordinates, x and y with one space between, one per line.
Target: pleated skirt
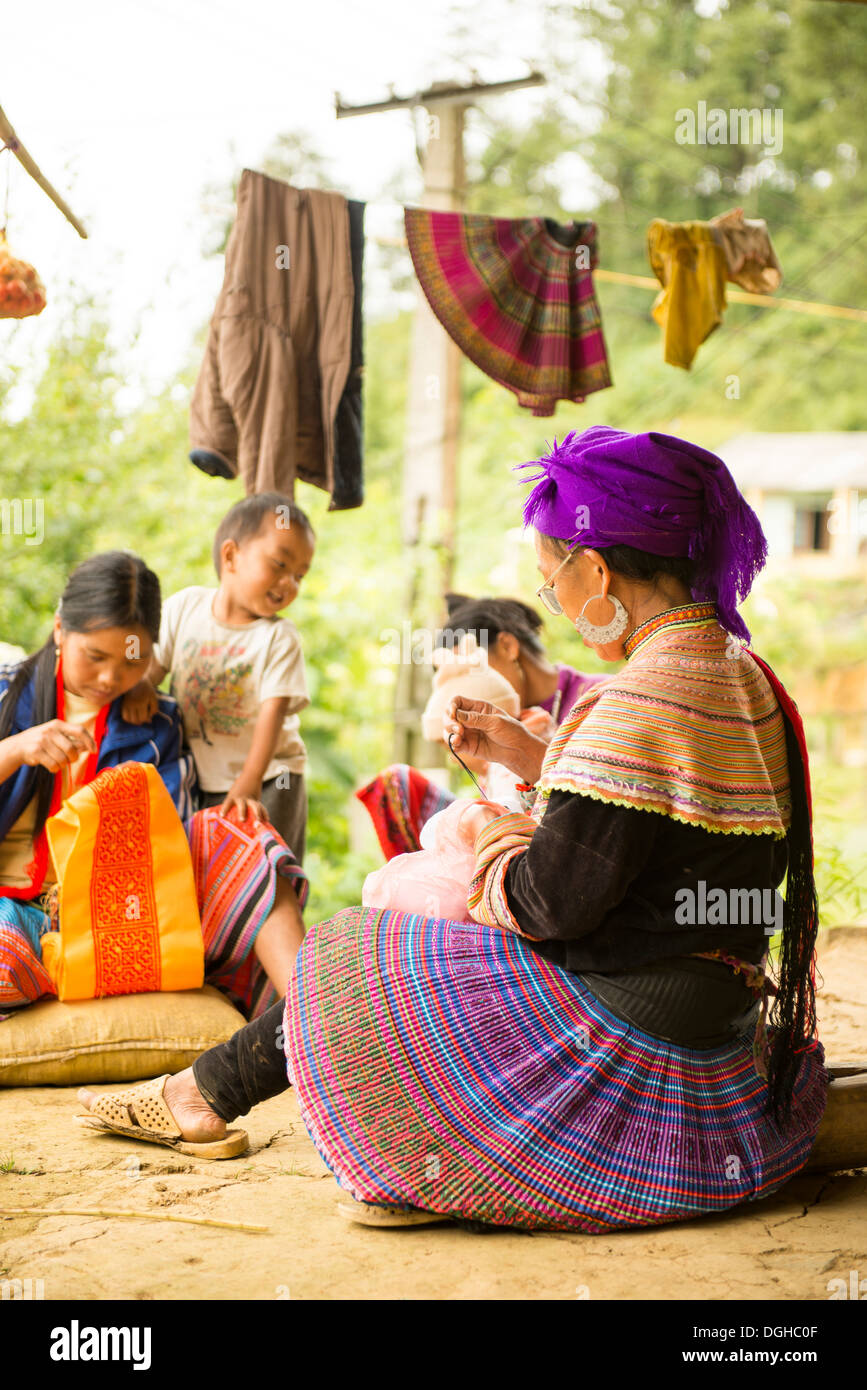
449 1067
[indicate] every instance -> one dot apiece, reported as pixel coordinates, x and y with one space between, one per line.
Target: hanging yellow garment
690 264
129 916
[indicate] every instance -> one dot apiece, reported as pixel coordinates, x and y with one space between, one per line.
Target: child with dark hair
237 669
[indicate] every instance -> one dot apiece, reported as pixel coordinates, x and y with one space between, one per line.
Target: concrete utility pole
429 512
433 419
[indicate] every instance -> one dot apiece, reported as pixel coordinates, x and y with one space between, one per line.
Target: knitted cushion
125 1037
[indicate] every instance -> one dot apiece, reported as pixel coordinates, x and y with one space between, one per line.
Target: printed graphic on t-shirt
214 693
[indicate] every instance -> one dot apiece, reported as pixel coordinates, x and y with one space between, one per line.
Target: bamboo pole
15 147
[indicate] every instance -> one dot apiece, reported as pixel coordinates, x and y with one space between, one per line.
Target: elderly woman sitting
593 1055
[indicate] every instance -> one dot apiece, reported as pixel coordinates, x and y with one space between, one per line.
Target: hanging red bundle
22 293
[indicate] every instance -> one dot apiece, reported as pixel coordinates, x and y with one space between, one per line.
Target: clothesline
716 350
613 277
497 287
764 301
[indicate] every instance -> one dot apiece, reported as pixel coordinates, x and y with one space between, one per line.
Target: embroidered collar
679 730
685 615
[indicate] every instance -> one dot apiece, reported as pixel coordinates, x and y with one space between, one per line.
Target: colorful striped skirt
448 1067
235 868
517 296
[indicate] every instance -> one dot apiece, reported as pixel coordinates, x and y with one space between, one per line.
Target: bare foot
196 1120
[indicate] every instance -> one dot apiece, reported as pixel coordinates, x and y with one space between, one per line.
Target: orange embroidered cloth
129 917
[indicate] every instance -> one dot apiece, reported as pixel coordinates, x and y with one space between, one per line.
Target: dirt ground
787 1247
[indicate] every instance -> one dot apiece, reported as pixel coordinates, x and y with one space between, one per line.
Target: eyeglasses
545 592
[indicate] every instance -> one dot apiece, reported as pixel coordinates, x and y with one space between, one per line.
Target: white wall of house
790 520
776 512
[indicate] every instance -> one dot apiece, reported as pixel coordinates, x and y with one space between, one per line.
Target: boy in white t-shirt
237 669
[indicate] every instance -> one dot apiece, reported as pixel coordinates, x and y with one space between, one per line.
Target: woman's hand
475 818
53 745
539 722
483 731
140 704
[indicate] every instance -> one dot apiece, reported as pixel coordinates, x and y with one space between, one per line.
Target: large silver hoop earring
599 634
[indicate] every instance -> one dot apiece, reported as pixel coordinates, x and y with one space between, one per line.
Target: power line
234 40
707 365
625 311
765 188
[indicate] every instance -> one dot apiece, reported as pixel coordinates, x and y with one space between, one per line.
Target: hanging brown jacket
280 344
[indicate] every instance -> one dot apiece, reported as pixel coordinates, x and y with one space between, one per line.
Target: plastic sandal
371 1214
141 1113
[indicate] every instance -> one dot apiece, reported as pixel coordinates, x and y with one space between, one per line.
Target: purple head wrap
655 493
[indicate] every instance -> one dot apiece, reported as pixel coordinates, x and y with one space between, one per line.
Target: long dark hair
793 1016
112 590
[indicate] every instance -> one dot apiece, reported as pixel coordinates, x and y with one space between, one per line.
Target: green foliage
60 455
840 833
807 624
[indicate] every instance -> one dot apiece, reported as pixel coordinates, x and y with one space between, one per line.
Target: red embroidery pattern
123 908
682 616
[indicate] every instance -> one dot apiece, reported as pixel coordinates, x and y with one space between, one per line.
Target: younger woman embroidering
61 723
401 799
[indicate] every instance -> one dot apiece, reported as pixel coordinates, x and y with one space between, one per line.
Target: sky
140 112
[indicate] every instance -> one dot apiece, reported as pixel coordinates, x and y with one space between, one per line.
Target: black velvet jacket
598 885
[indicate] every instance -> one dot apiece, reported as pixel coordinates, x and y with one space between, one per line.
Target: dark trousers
249 1068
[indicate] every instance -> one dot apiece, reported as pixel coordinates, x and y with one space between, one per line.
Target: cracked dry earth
787 1247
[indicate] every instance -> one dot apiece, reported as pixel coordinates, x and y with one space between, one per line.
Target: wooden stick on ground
8 137
148 1216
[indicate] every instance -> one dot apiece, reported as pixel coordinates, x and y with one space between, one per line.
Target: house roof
805 462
